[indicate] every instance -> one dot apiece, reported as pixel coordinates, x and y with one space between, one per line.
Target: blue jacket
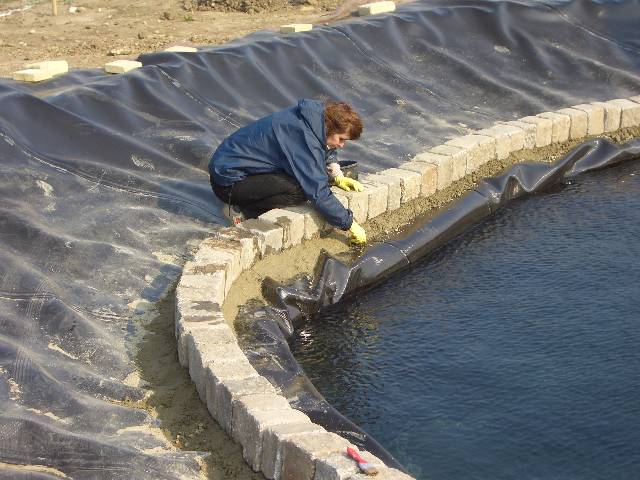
292 141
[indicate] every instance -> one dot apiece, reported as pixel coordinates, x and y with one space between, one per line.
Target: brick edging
276 439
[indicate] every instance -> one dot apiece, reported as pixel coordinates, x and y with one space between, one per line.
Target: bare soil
102 31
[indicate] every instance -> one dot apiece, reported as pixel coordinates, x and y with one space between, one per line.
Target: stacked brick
276 439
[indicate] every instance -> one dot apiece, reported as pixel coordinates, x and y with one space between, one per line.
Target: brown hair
340 117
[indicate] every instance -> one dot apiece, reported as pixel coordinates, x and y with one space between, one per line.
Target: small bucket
349 168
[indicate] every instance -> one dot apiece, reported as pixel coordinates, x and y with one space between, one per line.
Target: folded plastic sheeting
104 187
263 331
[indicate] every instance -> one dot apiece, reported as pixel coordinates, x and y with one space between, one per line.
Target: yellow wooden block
56 67
32 75
121 66
376 7
296 27
179 48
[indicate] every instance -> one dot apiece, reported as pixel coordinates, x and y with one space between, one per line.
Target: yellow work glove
346 183
358 235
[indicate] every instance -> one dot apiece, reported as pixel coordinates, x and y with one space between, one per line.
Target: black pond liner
126 159
263 332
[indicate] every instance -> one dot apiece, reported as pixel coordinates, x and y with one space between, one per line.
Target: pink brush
362 463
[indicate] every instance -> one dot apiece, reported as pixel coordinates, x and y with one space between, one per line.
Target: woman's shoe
233 214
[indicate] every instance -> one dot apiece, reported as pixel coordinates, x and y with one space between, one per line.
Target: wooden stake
54 6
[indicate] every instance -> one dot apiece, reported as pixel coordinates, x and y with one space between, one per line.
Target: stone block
219 252
203 287
480 150
292 224
314 222
595 118
251 431
612 114
529 130
181 49
376 8
246 406
394 187
378 197
560 126
259 402
272 438
241 239
630 112
194 303
203 349
268 235
635 99
194 312
443 164
579 122
296 27
214 333
32 75
337 466
428 173
357 202
299 454
251 415
56 67
508 139
189 324
410 182
220 372
209 341
544 128
221 395
458 159
121 66
215 254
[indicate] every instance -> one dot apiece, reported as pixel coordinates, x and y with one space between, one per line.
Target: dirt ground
102 31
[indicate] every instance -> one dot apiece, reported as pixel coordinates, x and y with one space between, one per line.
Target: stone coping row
276 439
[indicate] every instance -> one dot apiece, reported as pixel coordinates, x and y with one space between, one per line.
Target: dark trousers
256 194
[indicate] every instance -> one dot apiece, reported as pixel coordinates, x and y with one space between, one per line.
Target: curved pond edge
277 439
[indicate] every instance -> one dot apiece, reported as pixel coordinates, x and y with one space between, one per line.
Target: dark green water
513 353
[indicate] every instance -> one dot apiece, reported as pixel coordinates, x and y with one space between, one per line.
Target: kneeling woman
286 158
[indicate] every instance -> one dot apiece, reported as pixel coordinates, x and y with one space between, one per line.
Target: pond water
514 352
